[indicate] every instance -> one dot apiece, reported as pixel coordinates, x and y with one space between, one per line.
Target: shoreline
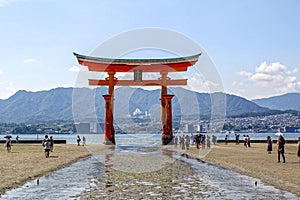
27 162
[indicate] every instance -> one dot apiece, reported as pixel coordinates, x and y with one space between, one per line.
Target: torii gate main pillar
167 128
109 131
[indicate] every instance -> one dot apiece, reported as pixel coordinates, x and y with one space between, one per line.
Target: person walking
269 144
280 151
46 144
78 140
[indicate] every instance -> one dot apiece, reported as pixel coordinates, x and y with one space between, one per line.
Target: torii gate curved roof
99 64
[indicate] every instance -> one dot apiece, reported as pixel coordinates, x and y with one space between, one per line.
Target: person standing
248 141
281 143
298 153
46 145
17 139
78 140
187 142
51 143
245 140
83 141
226 139
8 144
237 138
269 144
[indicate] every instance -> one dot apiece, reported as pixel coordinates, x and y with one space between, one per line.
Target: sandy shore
27 161
255 162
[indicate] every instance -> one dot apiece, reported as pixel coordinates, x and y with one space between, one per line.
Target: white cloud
271 69
30 60
4 3
74 69
273 78
244 73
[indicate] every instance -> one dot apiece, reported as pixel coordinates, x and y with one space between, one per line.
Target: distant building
82 128
189 128
295 129
96 128
200 128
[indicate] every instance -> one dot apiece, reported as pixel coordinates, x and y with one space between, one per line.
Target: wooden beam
93 82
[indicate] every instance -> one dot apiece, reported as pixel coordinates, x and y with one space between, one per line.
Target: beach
175 179
27 161
257 163
155 174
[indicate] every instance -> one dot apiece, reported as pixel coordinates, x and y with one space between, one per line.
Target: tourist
176 141
214 139
187 142
83 140
197 140
8 144
245 140
203 141
182 142
208 142
226 139
46 144
51 143
248 141
179 141
298 153
269 143
17 139
237 138
280 150
78 140
192 139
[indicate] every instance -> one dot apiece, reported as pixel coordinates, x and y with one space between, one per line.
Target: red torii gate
138 66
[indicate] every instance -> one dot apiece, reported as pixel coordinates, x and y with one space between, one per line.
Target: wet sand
27 161
128 177
257 163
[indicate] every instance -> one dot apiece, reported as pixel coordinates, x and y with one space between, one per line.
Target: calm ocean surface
137 138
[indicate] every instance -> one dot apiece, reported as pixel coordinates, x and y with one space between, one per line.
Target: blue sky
253 44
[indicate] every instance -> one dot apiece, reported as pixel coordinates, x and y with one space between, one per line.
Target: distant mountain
288 101
87 105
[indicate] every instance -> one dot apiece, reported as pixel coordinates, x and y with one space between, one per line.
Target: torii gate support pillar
109 131
167 128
